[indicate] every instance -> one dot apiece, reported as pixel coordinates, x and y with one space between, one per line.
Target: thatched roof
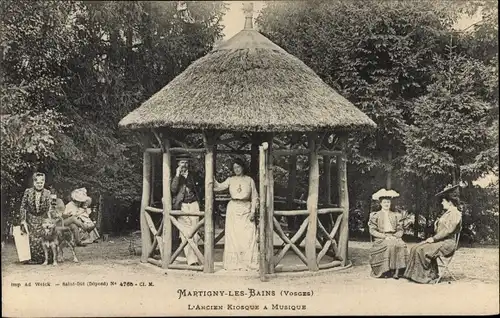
248 83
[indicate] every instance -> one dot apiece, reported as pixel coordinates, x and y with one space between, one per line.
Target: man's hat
183 157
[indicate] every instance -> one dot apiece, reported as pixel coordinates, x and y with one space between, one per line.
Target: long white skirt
240 245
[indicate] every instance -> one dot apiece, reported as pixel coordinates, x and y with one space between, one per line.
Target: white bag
22 241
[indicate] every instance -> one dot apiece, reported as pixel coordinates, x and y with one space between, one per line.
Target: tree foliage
433 101
72 70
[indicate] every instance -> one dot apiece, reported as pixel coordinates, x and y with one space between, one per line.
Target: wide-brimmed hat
451 188
79 195
384 193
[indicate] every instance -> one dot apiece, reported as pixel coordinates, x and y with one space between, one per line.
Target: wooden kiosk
251 91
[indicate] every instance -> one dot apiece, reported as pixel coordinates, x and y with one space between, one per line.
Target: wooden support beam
328 178
153 171
303 152
292 183
291 268
254 159
227 140
182 213
175 212
154 261
285 239
186 267
188 235
153 210
290 152
214 169
146 188
312 204
270 206
331 241
306 212
296 239
343 199
330 265
280 142
158 138
151 224
262 212
192 151
219 237
209 141
167 205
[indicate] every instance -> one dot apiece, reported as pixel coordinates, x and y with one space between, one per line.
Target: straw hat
383 193
79 195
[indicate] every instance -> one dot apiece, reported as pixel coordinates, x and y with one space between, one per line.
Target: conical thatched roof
248 83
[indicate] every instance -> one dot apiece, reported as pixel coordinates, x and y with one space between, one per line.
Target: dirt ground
350 291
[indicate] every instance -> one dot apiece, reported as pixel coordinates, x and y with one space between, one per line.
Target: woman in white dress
240 247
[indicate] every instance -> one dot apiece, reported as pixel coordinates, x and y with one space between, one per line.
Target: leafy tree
83 65
391 59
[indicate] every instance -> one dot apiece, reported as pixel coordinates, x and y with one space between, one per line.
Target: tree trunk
389 171
148 43
129 73
99 213
416 226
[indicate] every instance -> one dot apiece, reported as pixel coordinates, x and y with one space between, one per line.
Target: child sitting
83 215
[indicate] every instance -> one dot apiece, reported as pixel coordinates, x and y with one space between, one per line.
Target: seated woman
57 210
240 243
388 254
71 215
422 265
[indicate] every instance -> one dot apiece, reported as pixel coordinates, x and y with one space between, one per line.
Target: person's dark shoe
195 264
81 244
396 274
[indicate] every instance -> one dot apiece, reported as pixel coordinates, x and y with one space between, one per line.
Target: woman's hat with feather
385 194
451 189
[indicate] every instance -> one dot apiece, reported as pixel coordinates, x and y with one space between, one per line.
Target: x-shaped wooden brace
290 243
189 239
330 239
219 236
156 233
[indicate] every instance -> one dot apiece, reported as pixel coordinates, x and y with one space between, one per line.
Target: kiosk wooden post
146 188
312 204
343 199
167 205
208 139
270 206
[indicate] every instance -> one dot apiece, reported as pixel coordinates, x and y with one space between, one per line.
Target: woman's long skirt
386 255
36 236
240 249
422 264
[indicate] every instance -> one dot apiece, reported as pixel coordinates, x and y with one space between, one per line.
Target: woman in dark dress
422 265
35 206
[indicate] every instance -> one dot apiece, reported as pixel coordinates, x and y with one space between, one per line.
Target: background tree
79 67
391 59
